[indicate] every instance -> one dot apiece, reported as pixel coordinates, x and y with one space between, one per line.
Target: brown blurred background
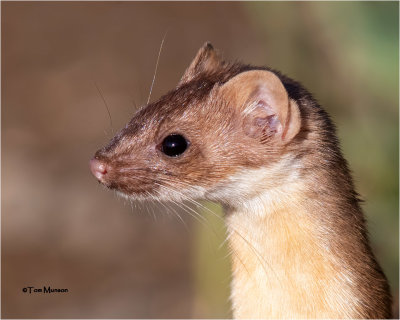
60 228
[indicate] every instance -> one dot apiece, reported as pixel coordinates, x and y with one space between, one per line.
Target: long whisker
153 214
105 103
170 209
155 71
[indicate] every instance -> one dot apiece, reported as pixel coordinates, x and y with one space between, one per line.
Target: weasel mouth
121 177
130 190
124 184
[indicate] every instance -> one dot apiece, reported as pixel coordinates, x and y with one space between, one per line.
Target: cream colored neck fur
282 266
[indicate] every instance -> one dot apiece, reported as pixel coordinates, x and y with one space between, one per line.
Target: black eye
174 145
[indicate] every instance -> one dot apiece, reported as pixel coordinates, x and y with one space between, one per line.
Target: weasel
257 142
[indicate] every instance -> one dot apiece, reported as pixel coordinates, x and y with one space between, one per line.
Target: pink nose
98 169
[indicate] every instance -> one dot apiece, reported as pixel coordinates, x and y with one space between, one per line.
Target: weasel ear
263 102
206 60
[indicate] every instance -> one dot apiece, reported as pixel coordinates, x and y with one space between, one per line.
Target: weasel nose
98 168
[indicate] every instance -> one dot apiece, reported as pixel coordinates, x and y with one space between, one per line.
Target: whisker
105 103
169 209
155 71
179 217
147 207
188 209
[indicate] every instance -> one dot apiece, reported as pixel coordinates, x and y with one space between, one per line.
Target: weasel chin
134 197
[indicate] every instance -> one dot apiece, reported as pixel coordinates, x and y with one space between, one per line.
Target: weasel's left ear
264 105
206 60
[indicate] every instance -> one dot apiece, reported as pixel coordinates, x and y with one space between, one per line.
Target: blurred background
60 228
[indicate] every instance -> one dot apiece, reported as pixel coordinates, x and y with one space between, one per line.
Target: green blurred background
60 228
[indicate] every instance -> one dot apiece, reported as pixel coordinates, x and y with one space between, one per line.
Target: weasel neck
289 261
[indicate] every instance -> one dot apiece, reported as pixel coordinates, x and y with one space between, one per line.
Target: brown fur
315 234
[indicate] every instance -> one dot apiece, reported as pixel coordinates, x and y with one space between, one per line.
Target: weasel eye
174 145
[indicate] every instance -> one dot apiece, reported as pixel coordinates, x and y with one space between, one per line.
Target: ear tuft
264 105
207 60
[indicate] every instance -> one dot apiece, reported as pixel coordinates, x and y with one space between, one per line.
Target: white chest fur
282 268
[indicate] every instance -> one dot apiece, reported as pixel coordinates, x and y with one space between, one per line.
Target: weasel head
197 140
